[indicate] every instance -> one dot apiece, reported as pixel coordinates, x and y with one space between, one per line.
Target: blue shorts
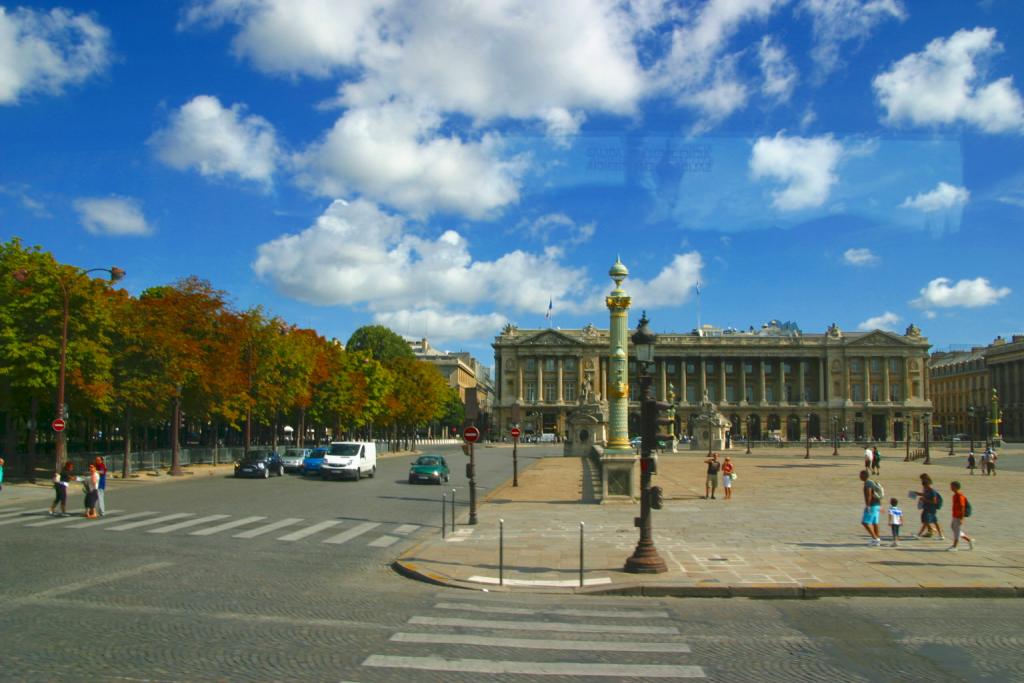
870 515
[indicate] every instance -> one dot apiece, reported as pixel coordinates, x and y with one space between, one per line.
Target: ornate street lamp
748 434
645 559
927 417
22 275
835 435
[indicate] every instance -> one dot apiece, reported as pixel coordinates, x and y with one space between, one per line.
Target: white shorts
727 481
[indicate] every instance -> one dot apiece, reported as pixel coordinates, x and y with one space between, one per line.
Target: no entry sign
515 432
471 434
58 425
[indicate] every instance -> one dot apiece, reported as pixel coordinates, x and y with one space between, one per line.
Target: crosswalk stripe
109 520
225 526
21 517
406 529
487 666
543 626
187 524
383 542
624 614
11 512
538 644
346 536
310 530
60 520
267 528
147 522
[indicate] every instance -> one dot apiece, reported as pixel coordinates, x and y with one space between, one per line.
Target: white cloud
112 216
886 321
859 257
942 293
942 85
806 165
557 227
944 196
46 51
671 287
442 325
218 141
840 21
777 69
396 154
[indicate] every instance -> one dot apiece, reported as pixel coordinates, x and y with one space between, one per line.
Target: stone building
461 369
772 383
1005 361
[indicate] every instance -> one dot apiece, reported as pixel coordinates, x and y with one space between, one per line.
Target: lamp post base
645 560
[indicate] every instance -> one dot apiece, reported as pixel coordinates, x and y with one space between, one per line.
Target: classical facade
462 371
1005 361
776 382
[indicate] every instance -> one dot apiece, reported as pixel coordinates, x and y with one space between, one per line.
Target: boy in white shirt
895 521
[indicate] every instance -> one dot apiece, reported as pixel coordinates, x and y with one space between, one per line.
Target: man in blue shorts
872 506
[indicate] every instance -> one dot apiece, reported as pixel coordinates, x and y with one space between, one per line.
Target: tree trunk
33 435
300 439
126 429
248 429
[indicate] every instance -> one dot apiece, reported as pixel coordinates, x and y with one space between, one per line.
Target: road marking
147 522
20 517
460 535
266 529
383 542
347 536
189 523
310 530
543 626
406 529
62 520
106 520
12 512
549 583
624 614
88 583
536 644
487 666
224 527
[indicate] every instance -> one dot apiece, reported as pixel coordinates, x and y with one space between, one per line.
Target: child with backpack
961 509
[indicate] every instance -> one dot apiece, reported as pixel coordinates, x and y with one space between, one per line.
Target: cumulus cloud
47 51
806 165
944 196
112 215
559 228
777 70
859 257
672 286
218 141
842 21
943 85
886 321
942 293
442 325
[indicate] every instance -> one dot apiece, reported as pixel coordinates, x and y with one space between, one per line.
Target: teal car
429 468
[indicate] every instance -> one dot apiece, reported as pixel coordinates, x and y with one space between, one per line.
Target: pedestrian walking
728 476
61 481
101 467
961 509
971 463
869 458
876 461
895 520
711 482
992 462
930 502
984 462
91 485
873 493
1 474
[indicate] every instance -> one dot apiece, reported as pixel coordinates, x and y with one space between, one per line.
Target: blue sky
444 167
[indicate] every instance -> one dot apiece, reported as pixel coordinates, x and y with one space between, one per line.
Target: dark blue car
311 463
260 465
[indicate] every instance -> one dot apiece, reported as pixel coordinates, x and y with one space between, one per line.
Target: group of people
728 471
988 462
873 460
94 486
929 501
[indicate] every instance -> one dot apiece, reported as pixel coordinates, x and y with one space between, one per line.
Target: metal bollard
453 511
444 505
581 554
501 552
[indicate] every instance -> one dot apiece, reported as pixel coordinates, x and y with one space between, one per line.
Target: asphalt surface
163 601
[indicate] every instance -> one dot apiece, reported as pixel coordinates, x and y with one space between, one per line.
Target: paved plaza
792 529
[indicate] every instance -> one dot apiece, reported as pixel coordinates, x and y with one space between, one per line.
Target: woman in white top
92 485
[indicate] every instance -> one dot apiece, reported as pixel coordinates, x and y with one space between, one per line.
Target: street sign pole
515 456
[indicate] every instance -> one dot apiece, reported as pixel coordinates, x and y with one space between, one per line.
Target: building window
531 365
769 393
855 365
806 366
749 393
876 365
709 366
691 368
569 391
894 392
789 393
549 364
857 392
570 364
876 392
748 368
691 393
894 365
531 391
728 368
550 392
767 365
713 393
730 393
787 368
670 368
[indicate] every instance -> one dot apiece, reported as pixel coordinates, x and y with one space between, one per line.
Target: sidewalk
792 529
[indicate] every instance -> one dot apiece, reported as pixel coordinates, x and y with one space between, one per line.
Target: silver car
293 458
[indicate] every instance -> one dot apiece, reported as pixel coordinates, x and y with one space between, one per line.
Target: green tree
380 343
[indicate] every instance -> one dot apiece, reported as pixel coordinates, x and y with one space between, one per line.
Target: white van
350 459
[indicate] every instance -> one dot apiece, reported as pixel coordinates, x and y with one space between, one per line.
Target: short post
581 554
501 552
453 511
444 504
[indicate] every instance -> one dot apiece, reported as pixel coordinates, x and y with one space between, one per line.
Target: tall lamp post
748 434
807 429
970 424
949 430
835 435
927 424
21 275
645 559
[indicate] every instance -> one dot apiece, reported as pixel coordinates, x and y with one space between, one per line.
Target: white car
350 459
293 458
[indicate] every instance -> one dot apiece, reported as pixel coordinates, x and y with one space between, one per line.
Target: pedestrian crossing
494 636
332 532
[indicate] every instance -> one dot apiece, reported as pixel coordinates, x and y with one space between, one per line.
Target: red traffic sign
58 425
515 432
471 434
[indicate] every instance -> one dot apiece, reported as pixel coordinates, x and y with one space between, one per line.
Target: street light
748 434
807 455
950 429
645 559
835 435
927 428
970 424
21 275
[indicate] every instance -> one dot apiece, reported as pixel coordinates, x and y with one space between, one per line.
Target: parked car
259 464
311 463
349 459
293 457
961 437
432 468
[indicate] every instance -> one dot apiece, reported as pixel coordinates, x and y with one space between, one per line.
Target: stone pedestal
620 476
710 426
587 427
